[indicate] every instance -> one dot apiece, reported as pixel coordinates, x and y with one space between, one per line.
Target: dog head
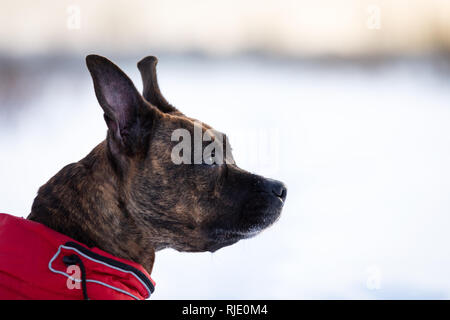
193 198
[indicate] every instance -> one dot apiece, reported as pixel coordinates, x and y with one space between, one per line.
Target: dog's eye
210 160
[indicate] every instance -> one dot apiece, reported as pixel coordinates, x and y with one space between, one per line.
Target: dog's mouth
227 235
236 234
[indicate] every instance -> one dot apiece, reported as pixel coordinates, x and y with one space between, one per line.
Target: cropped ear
122 103
151 92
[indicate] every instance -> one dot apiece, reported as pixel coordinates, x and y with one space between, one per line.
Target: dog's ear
125 111
151 92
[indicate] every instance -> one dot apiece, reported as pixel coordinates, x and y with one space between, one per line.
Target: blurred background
347 102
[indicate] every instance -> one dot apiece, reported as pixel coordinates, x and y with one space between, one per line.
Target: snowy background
364 149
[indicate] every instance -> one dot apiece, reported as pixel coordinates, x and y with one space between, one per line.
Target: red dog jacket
37 262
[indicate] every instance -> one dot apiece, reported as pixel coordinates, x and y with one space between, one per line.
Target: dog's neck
85 202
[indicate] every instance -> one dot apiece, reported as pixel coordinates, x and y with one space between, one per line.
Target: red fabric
26 248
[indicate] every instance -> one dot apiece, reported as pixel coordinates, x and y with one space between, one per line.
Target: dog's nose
280 190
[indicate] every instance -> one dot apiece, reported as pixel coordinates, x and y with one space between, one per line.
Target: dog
128 198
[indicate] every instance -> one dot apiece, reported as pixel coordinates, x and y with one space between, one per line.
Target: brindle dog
128 198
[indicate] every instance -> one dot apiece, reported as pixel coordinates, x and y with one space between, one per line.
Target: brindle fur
128 198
